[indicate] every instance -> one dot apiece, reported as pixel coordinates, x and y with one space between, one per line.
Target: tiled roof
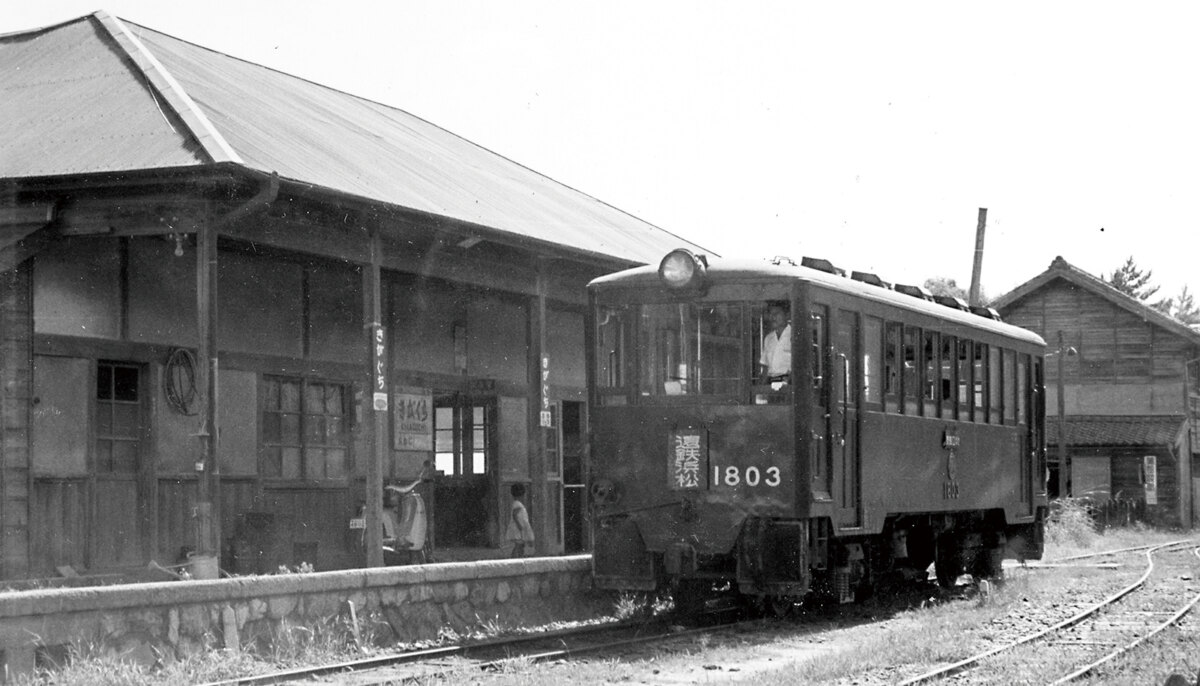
1121 430
100 95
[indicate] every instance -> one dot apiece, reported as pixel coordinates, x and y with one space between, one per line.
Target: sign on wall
546 417
1150 469
379 401
412 419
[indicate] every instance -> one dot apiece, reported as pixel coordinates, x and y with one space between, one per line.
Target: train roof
736 270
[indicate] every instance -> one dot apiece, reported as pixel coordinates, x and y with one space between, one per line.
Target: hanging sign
1150 468
412 415
379 369
546 417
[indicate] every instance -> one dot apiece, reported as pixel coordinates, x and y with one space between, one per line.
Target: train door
821 418
844 433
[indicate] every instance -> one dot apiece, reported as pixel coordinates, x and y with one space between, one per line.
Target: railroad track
447 661
1082 643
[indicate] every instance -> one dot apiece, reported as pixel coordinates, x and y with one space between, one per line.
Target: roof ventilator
869 278
914 291
821 265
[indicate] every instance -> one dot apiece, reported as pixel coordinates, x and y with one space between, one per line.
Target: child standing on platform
519 532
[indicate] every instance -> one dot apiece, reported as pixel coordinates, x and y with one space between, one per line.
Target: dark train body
907 432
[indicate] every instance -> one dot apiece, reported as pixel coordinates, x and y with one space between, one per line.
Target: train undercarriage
776 563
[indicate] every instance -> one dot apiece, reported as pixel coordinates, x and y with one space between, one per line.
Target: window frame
305 446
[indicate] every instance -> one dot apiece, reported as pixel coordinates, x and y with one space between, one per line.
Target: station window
304 429
118 418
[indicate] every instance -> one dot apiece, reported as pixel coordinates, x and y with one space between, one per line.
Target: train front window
692 349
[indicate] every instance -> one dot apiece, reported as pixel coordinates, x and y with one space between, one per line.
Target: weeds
1070 525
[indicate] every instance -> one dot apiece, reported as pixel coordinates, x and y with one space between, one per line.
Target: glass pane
610 347
335 463
104 382
270 462
314 430
932 383
271 427
334 431
891 366
124 457
333 400
125 384
965 389
289 429
125 420
948 369
104 456
272 391
289 396
314 463
1010 384
290 459
314 399
872 368
444 462
444 440
994 386
104 419
479 464
911 360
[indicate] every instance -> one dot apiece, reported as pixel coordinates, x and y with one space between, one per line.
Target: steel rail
962 665
283 676
1172 620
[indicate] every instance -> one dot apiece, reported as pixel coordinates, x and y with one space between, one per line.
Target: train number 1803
750 476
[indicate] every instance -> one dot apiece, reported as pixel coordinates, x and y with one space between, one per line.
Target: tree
940 285
1183 307
1131 281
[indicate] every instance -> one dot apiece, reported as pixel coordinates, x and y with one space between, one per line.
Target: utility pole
977 268
376 340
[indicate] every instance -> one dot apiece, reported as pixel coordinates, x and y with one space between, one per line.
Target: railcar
907 432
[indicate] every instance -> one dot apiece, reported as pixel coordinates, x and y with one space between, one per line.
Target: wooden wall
16 361
1124 364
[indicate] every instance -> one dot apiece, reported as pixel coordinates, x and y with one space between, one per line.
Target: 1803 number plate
733 475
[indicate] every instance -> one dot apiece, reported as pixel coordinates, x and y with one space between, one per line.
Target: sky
866 133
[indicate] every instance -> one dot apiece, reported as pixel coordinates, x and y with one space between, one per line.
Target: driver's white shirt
777 352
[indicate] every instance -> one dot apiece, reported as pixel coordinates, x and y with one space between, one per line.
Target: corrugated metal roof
279 123
1123 430
71 103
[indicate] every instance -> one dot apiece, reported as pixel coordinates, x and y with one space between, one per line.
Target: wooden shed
1127 376
234 303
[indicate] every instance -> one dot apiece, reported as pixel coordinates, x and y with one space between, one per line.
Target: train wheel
948 565
690 596
779 606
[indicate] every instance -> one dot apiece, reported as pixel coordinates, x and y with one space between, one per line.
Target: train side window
981 379
1010 383
930 382
891 367
1022 385
872 362
949 370
965 389
912 361
994 387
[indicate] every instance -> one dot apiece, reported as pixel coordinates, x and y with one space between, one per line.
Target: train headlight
682 269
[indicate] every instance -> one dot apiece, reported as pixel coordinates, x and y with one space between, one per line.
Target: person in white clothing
776 359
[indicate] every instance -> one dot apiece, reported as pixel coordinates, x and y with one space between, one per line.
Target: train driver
776 359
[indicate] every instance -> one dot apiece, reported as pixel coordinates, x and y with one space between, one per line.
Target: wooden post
977 267
539 500
1062 422
207 469
376 397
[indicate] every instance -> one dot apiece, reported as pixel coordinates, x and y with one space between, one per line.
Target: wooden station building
234 303
1129 389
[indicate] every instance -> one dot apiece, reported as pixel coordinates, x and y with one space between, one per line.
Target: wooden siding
59 525
16 379
1115 351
